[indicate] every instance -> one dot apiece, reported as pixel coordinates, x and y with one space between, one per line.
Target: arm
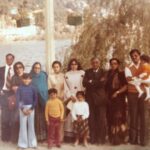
46 112
123 87
61 110
100 80
86 80
128 74
49 82
86 111
18 98
35 98
73 112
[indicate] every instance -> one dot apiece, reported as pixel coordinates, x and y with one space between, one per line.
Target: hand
79 119
115 95
102 79
25 112
14 88
1 93
73 99
47 122
29 111
90 81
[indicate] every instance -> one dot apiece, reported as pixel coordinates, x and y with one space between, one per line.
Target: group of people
77 105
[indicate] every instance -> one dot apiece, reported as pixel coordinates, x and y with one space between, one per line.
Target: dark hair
9 54
52 90
26 76
36 63
80 93
145 58
15 66
70 62
56 62
135 51
114 59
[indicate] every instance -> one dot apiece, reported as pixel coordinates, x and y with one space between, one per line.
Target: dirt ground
9 146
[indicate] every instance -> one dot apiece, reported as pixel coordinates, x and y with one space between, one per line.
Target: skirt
81 128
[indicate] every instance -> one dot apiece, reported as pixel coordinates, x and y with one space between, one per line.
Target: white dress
72 84
57 81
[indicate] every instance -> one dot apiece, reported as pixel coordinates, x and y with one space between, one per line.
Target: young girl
143 77
80 114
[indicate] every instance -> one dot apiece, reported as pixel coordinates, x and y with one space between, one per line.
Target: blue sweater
26 95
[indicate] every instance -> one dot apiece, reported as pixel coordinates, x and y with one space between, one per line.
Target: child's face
80 98
26 81
53 95
142 61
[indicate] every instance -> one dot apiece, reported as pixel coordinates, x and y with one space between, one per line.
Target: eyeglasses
74 64
37 68
114 63
19 67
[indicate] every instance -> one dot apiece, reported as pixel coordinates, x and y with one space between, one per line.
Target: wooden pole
50 51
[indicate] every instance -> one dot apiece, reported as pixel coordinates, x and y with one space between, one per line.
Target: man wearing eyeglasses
94 82
136 103
6 74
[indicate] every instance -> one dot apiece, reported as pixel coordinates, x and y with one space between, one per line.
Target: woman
56 80
39 80
72 84
116 87
16 82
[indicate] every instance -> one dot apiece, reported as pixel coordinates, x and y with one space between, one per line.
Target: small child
80 114
27 98
143 77
54 113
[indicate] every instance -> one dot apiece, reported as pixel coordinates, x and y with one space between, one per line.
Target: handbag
12 102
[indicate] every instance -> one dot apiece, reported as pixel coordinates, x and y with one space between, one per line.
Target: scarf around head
40 83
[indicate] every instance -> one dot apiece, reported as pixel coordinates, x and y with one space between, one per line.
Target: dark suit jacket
2 77
95 91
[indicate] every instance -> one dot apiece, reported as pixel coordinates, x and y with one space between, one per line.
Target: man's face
135 57
95 63
9 60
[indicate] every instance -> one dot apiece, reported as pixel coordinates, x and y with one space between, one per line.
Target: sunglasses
74 64
19 67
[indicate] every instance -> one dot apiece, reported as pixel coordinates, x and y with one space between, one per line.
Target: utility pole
50 51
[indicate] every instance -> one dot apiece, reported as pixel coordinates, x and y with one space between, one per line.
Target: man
6 74
94 82
135 102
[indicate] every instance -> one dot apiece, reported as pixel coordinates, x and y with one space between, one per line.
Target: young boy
80 114
27 98
143 77
54 113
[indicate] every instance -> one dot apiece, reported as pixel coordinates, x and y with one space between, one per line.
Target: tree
112 29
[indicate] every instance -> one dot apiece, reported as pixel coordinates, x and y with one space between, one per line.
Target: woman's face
56 68
37 68
74 65
19 70
114 65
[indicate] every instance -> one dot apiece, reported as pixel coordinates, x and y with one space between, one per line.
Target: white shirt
57 81
72 84
6 72
80 108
